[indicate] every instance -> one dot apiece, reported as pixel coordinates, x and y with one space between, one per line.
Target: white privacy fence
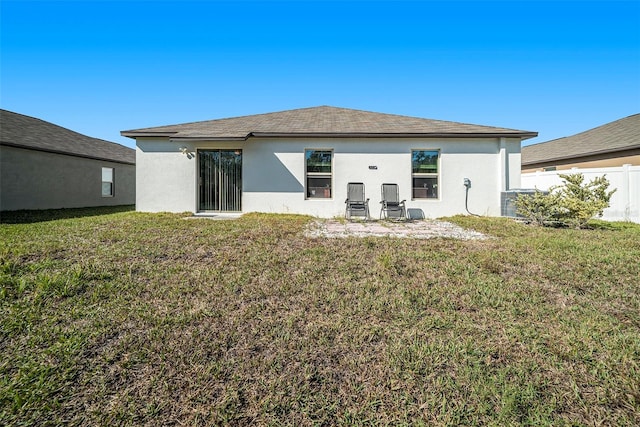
625 202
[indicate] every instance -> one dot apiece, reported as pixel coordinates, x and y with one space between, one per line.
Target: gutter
134 134
523 135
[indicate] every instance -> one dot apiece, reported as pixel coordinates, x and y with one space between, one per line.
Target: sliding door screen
220 186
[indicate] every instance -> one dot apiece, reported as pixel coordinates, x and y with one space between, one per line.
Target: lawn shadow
33 216
598 224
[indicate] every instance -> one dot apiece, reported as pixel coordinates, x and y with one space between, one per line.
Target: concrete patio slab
216 216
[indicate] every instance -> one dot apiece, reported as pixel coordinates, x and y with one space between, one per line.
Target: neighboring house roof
620 135
322 121
22 131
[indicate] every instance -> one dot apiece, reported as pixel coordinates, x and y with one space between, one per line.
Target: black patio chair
356 203
392 206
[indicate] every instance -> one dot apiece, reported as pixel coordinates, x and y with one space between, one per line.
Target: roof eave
137 134
207 138
523 135
528 135
66 153
173 136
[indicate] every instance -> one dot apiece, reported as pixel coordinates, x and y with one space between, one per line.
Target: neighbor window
318 170
107 182
424 174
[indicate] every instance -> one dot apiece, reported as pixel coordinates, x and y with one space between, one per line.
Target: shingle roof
322 121
623 134
28 132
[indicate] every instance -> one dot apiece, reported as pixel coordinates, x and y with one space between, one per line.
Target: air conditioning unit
508 200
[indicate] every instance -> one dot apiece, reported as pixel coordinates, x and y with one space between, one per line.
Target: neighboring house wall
274 173
31 179
629 157
625 202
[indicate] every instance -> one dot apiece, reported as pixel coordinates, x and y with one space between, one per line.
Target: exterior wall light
184 150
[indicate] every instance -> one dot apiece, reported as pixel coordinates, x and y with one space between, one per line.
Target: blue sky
99 67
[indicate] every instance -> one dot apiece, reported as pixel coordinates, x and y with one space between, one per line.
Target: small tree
573 203
580 201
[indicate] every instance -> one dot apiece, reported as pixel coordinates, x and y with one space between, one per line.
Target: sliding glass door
220 180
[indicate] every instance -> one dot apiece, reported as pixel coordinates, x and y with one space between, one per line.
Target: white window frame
435 175
108 181
308 175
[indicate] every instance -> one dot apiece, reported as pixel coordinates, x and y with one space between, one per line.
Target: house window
424 174
107 182
318 172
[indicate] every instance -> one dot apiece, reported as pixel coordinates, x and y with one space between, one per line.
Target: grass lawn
147 319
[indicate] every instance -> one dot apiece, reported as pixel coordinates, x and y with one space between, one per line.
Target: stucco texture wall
274 173
31 179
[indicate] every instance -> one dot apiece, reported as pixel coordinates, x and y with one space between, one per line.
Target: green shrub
580 201
573 203
539 208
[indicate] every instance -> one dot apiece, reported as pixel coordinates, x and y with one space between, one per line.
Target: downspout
504 165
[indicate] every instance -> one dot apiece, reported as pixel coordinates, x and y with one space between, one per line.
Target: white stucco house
300 161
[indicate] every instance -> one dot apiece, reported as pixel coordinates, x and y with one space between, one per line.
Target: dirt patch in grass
421 229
